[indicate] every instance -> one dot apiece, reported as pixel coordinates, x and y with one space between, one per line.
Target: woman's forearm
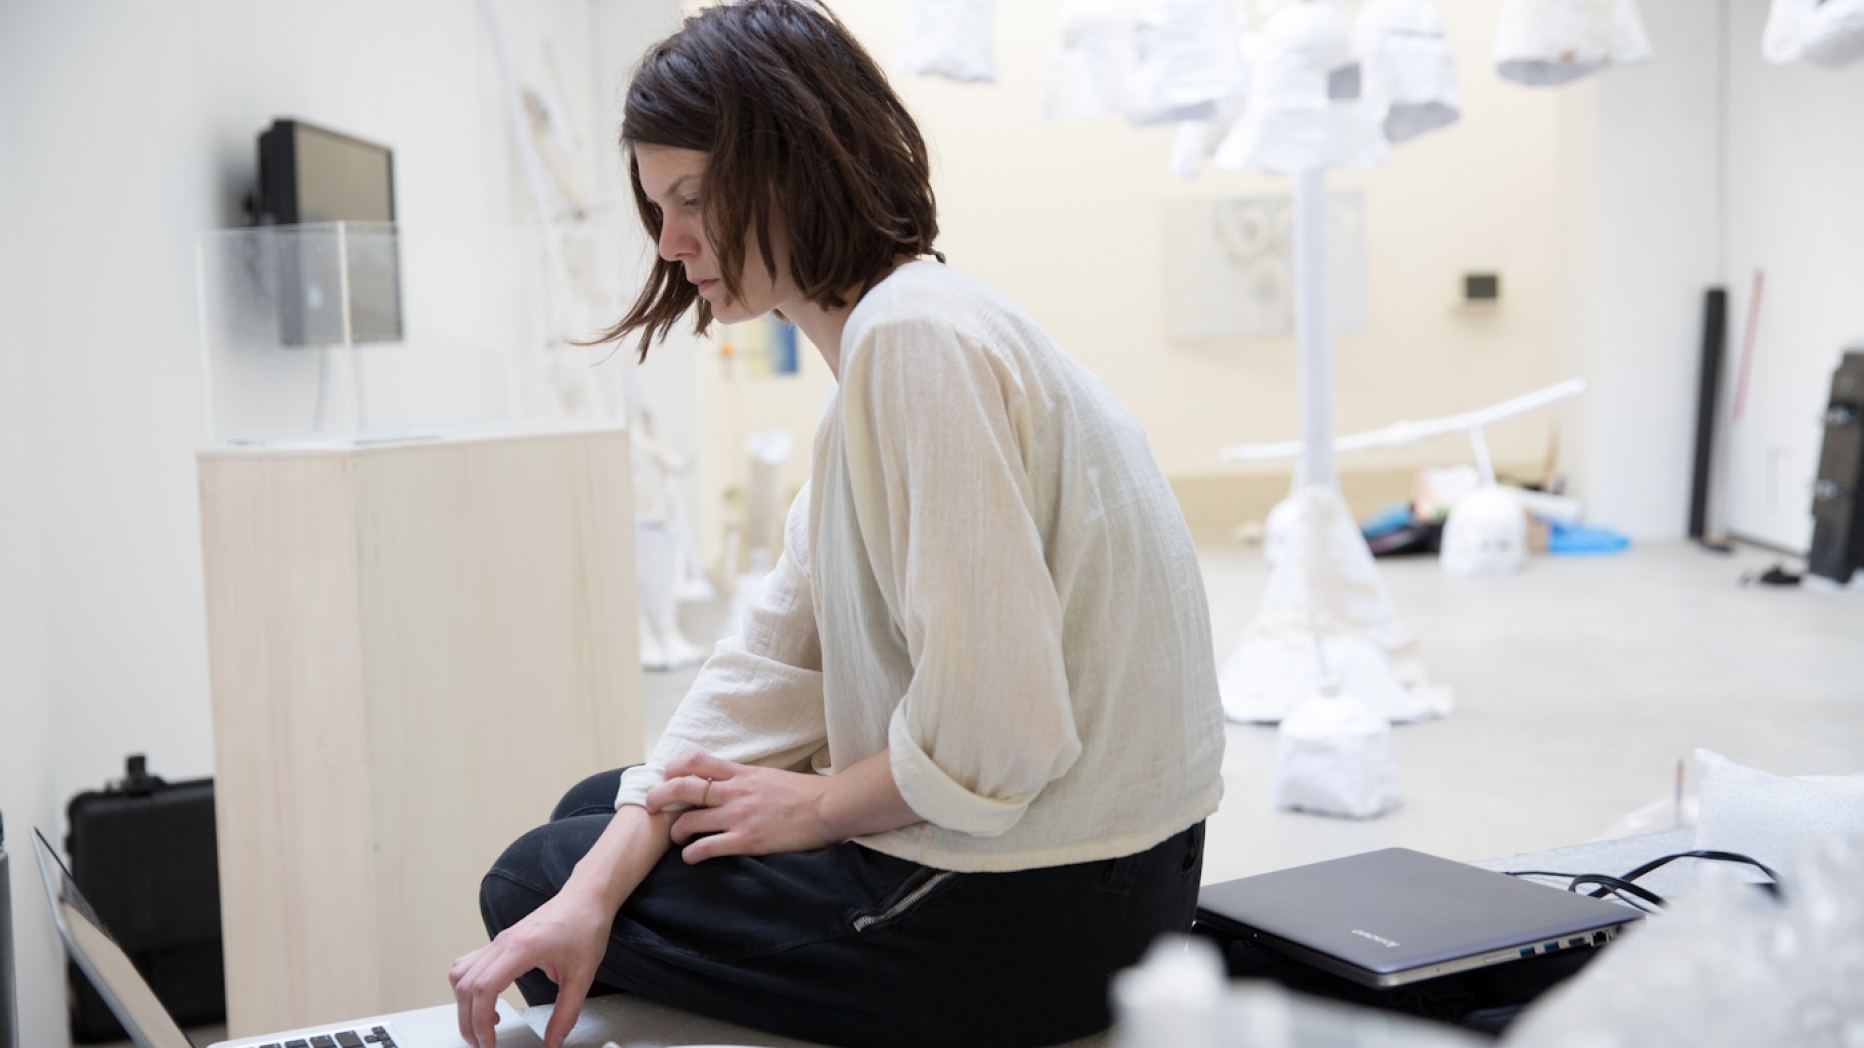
622 857
863 798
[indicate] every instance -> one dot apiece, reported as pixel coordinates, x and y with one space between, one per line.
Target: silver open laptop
150 1025
1397 916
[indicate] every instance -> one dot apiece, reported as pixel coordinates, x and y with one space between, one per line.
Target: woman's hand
565 938
748 810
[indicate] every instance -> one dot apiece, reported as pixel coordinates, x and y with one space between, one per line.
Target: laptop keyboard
375 1038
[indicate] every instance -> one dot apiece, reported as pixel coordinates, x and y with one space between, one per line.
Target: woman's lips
704 285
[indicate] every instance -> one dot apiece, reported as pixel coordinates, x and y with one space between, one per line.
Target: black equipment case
1837 515
143 853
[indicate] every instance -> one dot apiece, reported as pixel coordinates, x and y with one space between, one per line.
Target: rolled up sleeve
758 699
937 431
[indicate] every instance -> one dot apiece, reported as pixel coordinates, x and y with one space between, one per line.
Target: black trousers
847 946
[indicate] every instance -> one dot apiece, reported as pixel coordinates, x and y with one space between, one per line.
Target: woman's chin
732 313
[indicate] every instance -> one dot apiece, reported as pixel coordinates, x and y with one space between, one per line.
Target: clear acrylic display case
349 332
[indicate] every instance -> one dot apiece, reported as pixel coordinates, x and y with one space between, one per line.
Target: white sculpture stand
1324 591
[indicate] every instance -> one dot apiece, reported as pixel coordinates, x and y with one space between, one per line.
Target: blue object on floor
1583 538
1386 521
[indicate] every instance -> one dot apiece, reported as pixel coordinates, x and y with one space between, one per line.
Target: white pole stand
1322 579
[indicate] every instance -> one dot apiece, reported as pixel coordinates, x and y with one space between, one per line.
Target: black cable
1620 886
1633 903
1720 856
1624 889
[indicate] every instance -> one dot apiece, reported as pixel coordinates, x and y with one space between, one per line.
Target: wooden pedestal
415 649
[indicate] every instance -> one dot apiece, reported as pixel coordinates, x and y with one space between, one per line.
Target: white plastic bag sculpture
1544 42
1334 757
1323 582
1293 122
1829 32
954 39
1726 966
1408 67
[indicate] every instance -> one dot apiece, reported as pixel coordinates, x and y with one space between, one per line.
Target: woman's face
672 179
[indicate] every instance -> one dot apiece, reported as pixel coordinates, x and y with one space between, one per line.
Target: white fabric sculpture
1544 42
1333 756
665 568
1322 580
1293 121
1829 32
954 39
1408 68
1485 534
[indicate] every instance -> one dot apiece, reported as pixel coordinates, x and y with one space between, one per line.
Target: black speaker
1837 525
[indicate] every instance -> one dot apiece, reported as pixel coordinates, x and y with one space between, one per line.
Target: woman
953 774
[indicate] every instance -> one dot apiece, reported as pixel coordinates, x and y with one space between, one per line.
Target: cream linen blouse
988 573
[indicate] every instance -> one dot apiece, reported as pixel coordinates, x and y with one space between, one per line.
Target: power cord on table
1624 889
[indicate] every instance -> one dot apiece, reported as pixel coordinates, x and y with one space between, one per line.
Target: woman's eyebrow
674 189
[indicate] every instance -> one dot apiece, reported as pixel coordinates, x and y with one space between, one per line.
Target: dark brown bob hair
796 119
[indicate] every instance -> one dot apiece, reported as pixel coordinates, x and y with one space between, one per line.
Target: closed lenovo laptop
1397 916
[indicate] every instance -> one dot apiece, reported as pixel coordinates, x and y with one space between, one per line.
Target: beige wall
1067 218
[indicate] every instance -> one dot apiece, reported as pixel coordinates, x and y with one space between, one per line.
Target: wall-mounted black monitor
313 174
309 174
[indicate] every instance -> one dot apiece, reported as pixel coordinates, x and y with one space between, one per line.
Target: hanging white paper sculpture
1829 32
1156 61
1294 121
954 39
1542 42
1407 66
1187 61
1086 73
1198 139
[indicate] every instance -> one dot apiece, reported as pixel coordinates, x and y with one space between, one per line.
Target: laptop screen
102 960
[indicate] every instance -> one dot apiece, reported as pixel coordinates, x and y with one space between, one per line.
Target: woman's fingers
466 992
716 845
462 966
704 765
696 822
570 994
684 789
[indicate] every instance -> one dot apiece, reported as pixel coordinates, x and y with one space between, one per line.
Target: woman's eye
690 203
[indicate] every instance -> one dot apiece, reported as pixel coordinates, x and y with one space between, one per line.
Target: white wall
125 129
1639 186
1795 169
26 796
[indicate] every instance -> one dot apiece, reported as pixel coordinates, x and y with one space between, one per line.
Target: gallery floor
1579 684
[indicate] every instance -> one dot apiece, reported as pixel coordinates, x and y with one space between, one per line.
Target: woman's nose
676 241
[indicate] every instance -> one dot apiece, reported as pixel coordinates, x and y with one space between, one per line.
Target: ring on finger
705 799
